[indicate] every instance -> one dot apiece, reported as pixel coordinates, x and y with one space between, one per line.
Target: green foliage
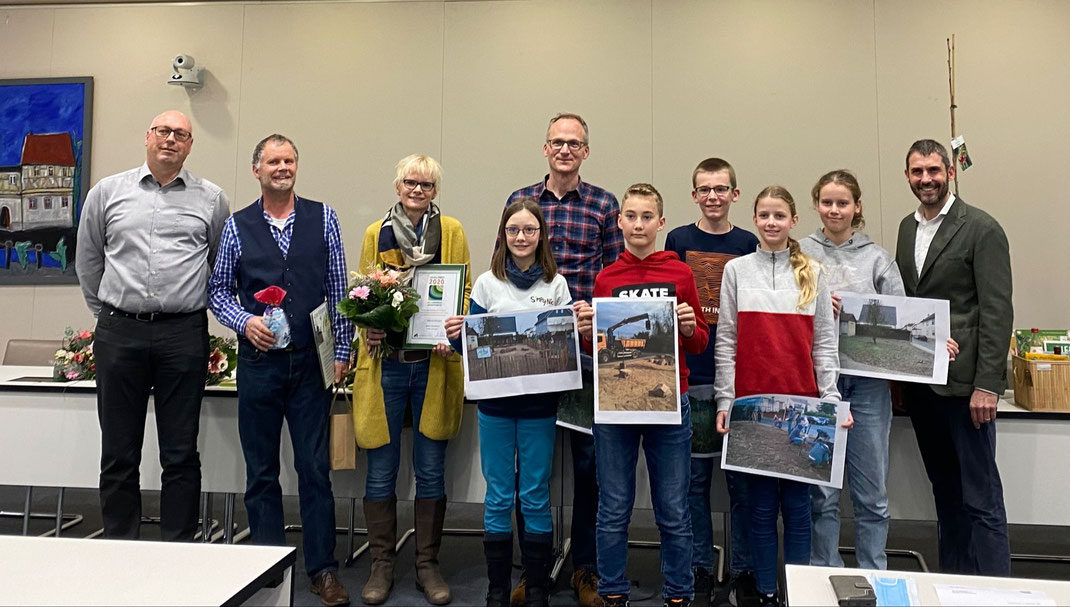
60 254
21 248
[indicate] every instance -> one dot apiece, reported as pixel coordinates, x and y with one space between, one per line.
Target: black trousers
961 464
170 358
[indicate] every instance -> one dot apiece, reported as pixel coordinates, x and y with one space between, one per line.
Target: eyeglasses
412 184
528 231
573 144
704 191
163 132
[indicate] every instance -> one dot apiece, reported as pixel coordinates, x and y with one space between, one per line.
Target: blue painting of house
45 127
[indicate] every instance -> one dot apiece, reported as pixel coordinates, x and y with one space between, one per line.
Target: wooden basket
1042 385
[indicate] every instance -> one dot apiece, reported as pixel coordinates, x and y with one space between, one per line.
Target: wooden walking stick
951 87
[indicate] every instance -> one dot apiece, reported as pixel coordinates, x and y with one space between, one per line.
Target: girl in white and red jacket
776 334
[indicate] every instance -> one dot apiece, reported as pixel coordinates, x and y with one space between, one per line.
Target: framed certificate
441 291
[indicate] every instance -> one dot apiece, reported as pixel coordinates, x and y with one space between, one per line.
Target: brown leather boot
381 517
429 515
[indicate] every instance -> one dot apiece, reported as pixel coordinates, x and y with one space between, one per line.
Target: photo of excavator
610 347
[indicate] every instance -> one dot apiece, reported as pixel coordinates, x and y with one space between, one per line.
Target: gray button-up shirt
143 247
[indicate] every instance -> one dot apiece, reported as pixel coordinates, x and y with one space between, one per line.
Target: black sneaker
678 602
615 600
703 588
743 590
770 600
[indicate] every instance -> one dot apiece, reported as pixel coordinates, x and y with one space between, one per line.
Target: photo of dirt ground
626 385
763 446
909 357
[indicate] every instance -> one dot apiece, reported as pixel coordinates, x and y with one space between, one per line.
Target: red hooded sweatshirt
660 274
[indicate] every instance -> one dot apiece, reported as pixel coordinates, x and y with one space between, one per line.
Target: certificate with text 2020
441 294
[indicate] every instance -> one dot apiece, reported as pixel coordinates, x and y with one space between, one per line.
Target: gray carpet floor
462 555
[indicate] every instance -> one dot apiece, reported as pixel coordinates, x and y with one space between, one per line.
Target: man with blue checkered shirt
294 243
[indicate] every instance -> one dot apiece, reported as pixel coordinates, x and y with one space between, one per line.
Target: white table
50 437
810 585
62 571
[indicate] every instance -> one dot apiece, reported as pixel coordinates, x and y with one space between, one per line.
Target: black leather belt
149 316
409 356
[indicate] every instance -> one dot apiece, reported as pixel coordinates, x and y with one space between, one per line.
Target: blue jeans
273 386
866 472
769 496
698 501
530 443
668 459
404 384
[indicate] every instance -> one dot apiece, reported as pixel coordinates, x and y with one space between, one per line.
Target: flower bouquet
222 359
379 301
274 317
74 361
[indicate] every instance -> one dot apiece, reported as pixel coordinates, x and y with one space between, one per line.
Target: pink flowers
360 293
74 361
217 362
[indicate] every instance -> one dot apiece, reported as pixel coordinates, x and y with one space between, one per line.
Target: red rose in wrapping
274 317
272 296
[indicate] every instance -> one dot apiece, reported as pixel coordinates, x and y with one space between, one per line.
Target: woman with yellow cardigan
412 234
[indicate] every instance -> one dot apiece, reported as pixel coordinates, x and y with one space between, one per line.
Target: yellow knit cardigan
441 417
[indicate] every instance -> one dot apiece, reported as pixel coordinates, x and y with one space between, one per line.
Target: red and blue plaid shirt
584 236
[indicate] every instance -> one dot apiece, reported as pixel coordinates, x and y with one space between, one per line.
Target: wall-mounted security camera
186 72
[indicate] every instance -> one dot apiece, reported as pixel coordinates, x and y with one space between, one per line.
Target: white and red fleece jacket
765 342
660 274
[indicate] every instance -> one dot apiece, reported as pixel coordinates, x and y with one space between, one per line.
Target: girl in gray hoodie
854 263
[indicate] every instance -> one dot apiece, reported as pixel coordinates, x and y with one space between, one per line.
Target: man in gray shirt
146 240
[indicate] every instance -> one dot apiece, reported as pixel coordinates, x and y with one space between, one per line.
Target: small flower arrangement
75 361
222 359
379 300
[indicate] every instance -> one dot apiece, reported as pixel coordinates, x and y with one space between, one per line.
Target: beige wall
784 90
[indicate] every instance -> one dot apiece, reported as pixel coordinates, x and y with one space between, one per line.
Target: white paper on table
951 595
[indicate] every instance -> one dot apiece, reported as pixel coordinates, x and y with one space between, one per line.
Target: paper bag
343 444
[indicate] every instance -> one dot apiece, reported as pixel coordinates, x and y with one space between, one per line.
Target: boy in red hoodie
641 271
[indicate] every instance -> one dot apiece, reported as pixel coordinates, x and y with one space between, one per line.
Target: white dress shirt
926 231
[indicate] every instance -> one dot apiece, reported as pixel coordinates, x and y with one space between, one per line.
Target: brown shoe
330 589
516 599
585 582
429 515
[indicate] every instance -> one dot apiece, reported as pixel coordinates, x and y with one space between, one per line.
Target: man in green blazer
950 250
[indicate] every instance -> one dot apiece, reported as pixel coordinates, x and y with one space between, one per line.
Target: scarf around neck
523 279
399 245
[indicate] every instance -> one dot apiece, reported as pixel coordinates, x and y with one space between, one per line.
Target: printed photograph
527 352
637 380
575 409
705 441
793 437
890 337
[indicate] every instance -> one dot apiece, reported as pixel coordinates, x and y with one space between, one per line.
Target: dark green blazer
968 264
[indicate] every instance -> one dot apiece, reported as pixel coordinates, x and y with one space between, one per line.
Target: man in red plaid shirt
584 238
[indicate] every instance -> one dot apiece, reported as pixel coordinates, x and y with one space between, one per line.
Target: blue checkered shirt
223 284
584 236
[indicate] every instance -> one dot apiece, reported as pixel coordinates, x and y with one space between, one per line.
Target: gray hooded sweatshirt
857 266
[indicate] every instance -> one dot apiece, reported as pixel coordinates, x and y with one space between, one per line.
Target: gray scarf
416 250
